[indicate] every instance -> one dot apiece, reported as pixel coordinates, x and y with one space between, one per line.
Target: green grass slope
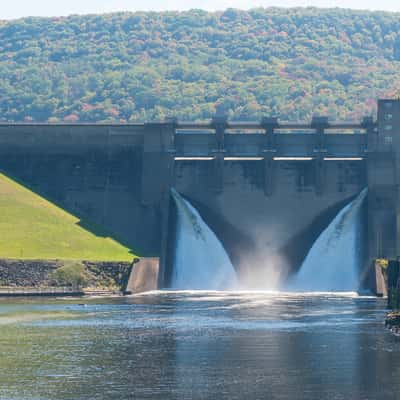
34 228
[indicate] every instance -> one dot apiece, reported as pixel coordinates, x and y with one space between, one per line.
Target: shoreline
58 293
44 294
55 278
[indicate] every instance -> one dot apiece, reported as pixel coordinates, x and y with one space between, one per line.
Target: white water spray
333 263
201 261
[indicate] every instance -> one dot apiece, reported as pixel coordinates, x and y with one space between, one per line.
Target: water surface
199 345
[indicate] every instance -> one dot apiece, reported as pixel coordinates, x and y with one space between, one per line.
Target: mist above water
200 261
334 261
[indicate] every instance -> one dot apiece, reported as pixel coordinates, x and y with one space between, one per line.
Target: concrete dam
266 189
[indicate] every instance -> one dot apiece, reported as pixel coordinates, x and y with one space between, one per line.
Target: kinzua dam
269 191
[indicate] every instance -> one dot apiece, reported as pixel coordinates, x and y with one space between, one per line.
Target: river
199 345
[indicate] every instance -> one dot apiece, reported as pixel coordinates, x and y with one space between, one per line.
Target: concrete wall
267 213
94 172
384 183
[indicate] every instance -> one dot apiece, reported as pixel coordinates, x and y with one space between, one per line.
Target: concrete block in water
144 275
381 280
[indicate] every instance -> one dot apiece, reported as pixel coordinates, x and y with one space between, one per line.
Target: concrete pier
144 276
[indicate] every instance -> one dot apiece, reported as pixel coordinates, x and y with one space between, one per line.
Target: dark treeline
247 64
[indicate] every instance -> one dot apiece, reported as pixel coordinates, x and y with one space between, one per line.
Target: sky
23 8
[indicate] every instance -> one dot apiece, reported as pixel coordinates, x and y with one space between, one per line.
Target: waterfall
333 262
201 261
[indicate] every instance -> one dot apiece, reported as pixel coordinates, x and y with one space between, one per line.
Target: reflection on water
199 345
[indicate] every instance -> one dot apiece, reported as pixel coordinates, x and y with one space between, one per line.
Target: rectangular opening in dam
343 158
345 131
245 131
294 130
243 158
194 158
293 158
194 131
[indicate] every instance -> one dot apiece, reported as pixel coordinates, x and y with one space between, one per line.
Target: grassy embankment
31 227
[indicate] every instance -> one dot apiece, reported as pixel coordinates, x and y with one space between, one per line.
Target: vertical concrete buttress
269 151
383 166
157 179
320 124
219 123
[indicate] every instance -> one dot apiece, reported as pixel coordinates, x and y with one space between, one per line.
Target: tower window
388 140
388 117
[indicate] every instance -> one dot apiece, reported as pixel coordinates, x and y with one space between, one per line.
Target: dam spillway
335 259
200 260
332 264
262 187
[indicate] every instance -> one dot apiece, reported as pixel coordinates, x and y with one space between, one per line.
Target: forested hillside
131 67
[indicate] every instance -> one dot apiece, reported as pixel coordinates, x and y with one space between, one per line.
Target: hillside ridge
147 66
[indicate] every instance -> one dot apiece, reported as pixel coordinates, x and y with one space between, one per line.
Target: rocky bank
44 273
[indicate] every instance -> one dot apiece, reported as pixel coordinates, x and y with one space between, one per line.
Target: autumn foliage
129 67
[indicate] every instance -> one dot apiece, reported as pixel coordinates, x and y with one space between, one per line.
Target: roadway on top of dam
217 138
